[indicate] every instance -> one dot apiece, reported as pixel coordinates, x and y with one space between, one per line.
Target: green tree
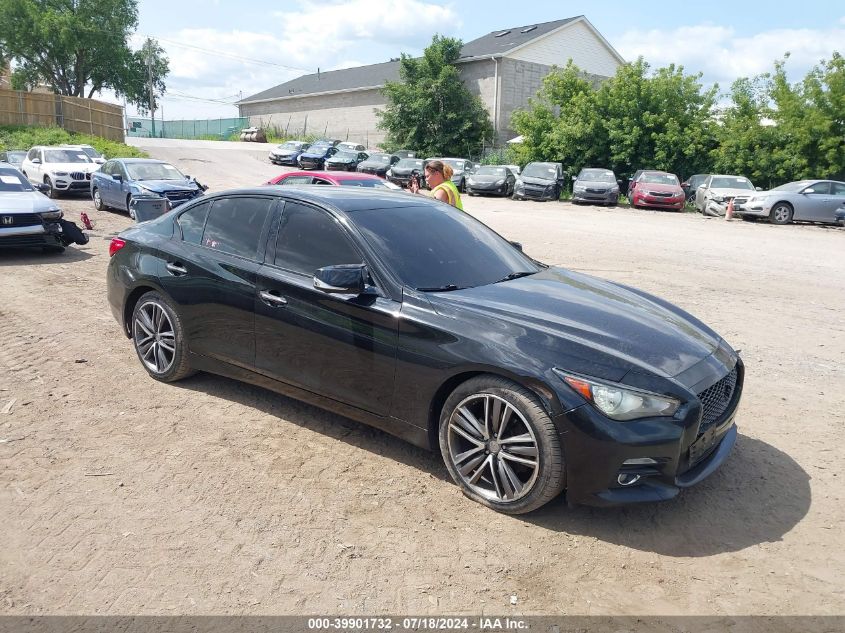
80 47
430 109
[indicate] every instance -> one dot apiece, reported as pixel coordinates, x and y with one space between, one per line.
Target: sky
220 50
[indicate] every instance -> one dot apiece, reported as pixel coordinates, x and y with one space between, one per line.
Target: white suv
62 169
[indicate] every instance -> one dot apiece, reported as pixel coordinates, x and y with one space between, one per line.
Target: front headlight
619 402
60 173
52 214
147 192
580 188
500 182
470 181
718 199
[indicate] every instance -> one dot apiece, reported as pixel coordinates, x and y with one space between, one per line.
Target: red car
337 178
658 189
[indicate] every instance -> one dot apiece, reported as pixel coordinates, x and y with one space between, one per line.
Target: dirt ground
122 495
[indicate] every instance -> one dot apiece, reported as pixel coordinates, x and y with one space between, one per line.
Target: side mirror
343 279
701 187
36 161
516 245
187 177
40 186
619 180
758 189
574 178
117 177
809 190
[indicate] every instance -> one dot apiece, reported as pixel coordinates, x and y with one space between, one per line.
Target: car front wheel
159 339
500 446
781 213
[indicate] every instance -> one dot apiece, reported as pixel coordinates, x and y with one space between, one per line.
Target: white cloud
722 54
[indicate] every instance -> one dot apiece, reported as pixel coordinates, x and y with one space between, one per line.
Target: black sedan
492 180
400 174
378 164
410 315
345 161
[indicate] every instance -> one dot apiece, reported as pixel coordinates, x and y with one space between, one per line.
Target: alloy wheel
493 448
155 337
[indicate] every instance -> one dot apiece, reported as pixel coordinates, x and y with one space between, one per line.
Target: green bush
23 137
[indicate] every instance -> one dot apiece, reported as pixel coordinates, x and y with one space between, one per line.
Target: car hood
83 167
374 165
583 317
285 152
648 186
25 202
161 186
405 171
595 184
310 154
731 192
533 180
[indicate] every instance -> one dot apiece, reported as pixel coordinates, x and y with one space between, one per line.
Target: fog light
627 480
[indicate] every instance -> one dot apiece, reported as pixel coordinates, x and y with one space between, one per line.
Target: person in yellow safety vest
438 175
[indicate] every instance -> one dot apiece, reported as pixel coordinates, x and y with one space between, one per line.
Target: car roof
333 175
345 199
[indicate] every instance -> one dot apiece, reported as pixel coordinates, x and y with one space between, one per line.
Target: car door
816 203
104 182
210 271
837 195
339 346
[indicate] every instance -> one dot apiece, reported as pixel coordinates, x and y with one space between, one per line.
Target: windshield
540 170
92 152
794 186
655 178
457 165
376 183
318 148
436 246
66 156
16 158
153 171
379 158
341 157
730 182
489 170
596 175
409 163
291 145
13 181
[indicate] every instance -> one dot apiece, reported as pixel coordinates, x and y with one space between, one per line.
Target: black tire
781 213
129 206
98 200
488 477
52 193
53 249
168 362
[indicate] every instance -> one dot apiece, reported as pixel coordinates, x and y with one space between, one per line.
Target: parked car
658 189
596 186
405 153
713 196
491 179
114 186
27 217
402 171
288 152
461 169
803 200
13 157
315 156
691 184
62 169
378 164
346 161
412 316
539 181
90 151
348 146
344 179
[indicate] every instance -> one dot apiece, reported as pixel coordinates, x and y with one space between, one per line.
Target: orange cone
729 212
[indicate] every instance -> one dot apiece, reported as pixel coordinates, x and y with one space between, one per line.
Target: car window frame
825 183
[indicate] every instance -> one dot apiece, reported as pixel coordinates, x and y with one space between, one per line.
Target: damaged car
713 196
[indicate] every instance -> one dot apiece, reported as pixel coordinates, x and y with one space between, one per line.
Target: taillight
115 245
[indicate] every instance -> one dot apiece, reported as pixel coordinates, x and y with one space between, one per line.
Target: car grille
661 194
535 191
716 400
20 219
739 200
178 195
601 191
80 175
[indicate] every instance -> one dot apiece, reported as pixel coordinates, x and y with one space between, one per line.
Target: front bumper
311 163
595 198
535 192
283 160
491 189
660 202
69 183
340 167
754 209
40 235
596 449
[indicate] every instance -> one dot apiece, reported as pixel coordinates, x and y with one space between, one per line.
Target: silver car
712 197
27 216
803 200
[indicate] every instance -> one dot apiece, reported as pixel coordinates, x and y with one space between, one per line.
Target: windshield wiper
523 273
446 288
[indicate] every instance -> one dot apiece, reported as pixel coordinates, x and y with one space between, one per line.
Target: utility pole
150 72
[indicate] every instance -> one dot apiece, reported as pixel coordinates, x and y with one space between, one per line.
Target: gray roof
377 74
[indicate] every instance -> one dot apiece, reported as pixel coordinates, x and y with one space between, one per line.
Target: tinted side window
310 239
822 188
837 189
192 222
236 224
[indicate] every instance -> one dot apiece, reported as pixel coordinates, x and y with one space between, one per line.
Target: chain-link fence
189 129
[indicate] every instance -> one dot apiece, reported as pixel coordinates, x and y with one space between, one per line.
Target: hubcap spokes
155 338
493 448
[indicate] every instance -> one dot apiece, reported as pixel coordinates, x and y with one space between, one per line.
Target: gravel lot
123 495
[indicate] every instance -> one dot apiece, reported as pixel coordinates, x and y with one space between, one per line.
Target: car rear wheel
98 200
781 213
159 339
500 446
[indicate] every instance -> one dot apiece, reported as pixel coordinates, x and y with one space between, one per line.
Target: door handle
272 300
176 269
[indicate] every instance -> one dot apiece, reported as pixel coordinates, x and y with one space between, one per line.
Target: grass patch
24 137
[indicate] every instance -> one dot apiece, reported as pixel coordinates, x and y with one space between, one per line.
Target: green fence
192 128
